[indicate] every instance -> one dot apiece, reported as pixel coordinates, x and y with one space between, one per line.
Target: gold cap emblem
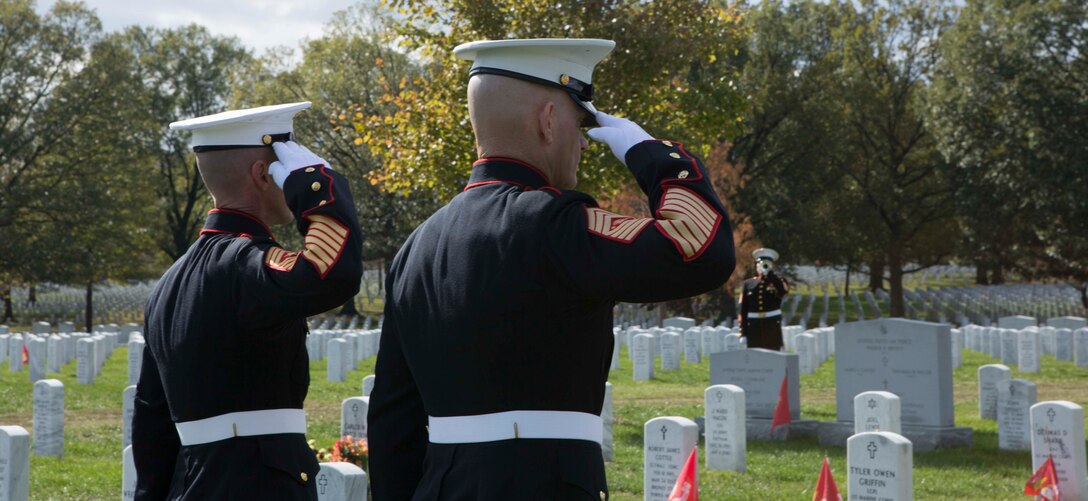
564 79
266 139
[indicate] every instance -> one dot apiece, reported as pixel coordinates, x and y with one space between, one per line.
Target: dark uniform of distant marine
761 304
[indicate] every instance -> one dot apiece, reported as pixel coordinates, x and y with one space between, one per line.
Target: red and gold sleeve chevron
325 241
688 220
684 217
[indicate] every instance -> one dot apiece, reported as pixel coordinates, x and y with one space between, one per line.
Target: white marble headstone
1029 351
36 355
341 481
128 475
691 347
616 337
128 408
135 359
85 355
1058 431
1016 322
15 353
1014 400
644 361
353 417
726 437
55 350
706 341
49 418
338 360
670 351
1063 344
877 411
1080 347
667 443
368 385
732 342
1009 351
14 463
988 376
880 466
606 422
805 344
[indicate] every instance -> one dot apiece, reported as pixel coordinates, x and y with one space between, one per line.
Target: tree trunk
1083 296
660 314
876 274
89 307
997 276
980 275
846 286
895 282
32 294
9 313
349 308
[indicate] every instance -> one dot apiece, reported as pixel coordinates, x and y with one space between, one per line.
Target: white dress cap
242 128
565 63
763 253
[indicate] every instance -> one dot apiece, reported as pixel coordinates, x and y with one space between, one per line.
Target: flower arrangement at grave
349 450
323 455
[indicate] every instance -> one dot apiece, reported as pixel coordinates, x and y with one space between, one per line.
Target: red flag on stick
782 408
26 356
825 485
1044 483
687 486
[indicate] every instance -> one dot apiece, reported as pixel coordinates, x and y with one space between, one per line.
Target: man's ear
258 173
547 118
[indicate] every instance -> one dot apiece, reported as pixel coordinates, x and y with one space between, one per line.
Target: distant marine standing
761 303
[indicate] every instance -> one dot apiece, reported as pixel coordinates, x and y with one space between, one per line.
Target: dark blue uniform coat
225 330
503 301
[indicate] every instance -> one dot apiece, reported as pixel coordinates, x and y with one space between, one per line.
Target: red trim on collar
240 213
485 183
547 181
223 232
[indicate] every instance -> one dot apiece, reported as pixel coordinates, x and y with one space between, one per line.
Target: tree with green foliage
1009 104
671 71
842 166
187 72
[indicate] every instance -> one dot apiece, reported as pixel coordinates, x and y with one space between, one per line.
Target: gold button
564 79
310 169
323 202
674 155
316 186
667 143
683 174
603 496
303 476
266 139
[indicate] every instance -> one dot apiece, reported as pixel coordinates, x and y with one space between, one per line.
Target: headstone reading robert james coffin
667 442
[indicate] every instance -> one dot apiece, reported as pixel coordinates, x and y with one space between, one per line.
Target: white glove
292 156
620 134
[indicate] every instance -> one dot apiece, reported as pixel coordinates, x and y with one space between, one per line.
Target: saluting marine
218 410
761 303
497 338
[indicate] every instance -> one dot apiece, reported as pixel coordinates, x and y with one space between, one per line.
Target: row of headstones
813 347
1024 347
879 459
343 349
672 344
341 322
49 354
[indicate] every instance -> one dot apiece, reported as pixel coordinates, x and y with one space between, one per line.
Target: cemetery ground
91 465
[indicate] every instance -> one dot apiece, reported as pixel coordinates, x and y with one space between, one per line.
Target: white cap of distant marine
564 63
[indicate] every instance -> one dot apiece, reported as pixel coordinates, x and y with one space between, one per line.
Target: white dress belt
515 424
764 314
241 424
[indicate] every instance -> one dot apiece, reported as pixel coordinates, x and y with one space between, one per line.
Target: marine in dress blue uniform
498 338
218 411
761 303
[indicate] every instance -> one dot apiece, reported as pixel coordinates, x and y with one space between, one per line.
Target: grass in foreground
91 466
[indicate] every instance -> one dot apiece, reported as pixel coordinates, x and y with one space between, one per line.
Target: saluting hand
620 134
292 156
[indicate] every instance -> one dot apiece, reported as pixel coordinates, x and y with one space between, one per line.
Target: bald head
504 110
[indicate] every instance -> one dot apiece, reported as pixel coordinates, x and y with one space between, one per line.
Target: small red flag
1044 483
687 486
26 356
782 408
825 485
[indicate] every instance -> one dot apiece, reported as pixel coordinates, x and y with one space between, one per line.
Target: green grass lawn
91 466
